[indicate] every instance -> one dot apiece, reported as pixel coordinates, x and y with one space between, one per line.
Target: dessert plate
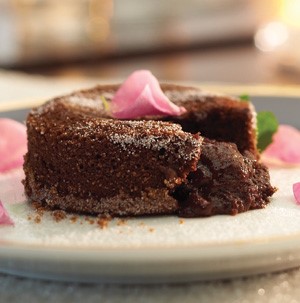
154 249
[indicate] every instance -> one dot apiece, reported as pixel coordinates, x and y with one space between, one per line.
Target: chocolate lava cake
82 160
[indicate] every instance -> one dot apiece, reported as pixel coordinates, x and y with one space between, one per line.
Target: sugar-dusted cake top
216 116
85 117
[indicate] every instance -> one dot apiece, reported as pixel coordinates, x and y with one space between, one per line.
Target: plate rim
151 267
258 243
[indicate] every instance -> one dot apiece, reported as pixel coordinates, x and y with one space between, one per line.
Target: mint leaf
244 98
267 125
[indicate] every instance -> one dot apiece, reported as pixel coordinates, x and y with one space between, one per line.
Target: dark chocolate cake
82 160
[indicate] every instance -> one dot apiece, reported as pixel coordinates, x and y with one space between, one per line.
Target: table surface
277 287
241 63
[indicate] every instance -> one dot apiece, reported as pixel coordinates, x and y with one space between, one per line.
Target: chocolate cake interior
225 182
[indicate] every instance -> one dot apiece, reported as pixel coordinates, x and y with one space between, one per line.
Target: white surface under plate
151 249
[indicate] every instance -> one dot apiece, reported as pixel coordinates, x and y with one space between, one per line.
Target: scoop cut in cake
82 160
215 116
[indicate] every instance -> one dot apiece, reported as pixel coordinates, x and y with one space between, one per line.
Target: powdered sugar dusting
193 94
92 103
154 135
49 106
155 143
254 118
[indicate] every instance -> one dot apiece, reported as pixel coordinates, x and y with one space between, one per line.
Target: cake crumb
38 207
74 219
181 221
58 215
29 217
121 222
89 220
151 229
103 222
37 219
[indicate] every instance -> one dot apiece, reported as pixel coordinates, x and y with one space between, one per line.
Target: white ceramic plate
155 249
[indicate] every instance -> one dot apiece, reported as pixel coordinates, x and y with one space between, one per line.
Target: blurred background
236 41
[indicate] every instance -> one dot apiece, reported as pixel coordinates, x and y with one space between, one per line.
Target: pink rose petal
4 216
141 95
11 187
296 191
13 144
285 148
